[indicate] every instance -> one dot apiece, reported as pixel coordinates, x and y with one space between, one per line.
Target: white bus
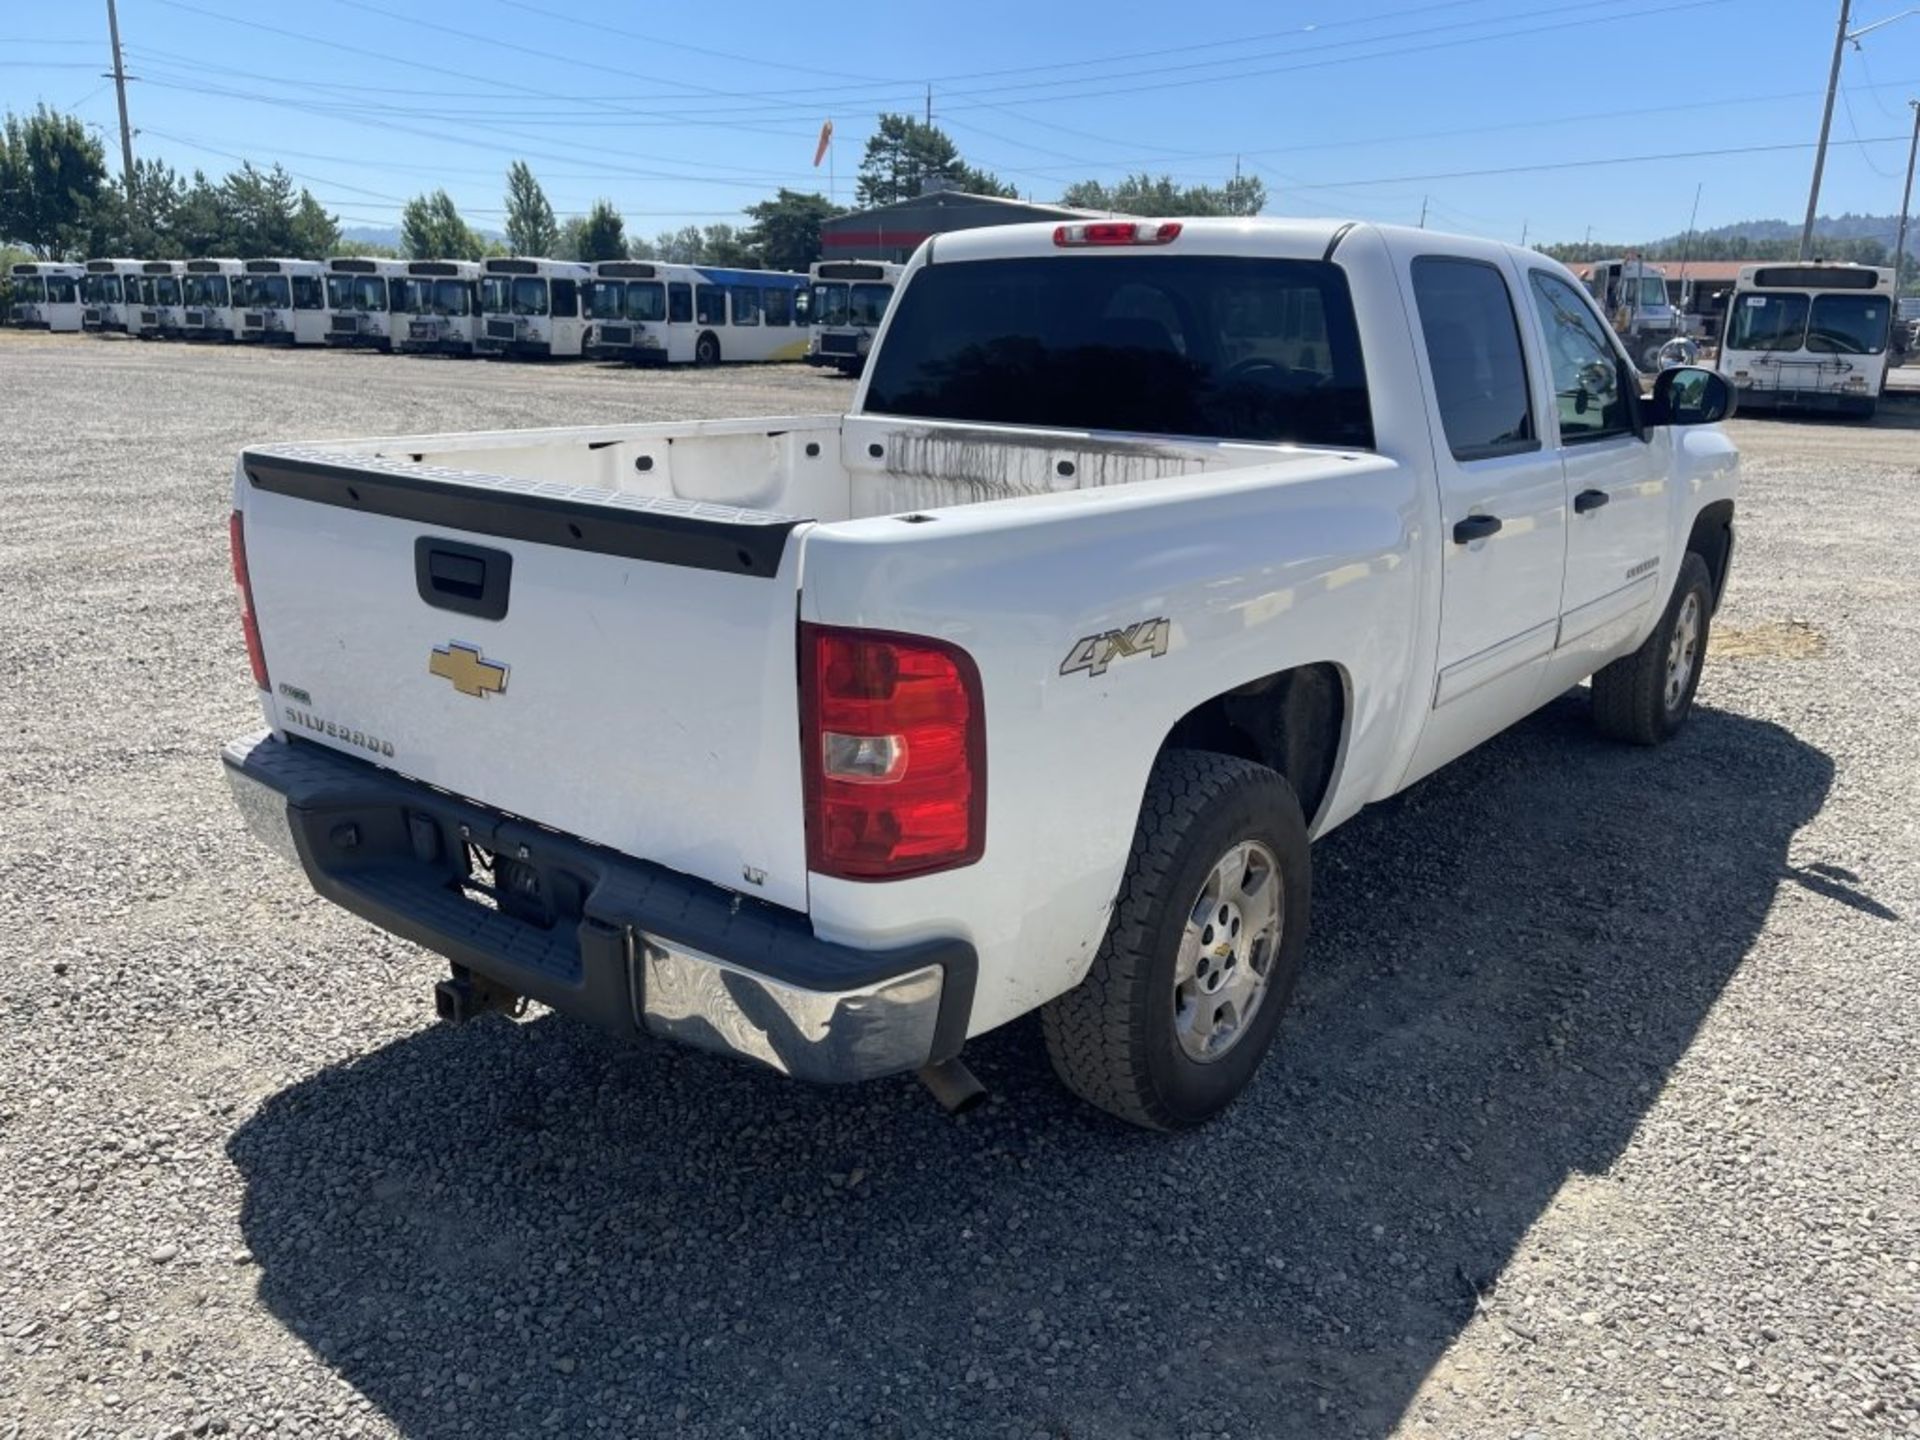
285 302
1809 337
359 308
210 299
655 314
161 314
850 299
531 307
110 293
46 296
440 300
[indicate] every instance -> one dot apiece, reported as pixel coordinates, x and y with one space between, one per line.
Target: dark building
894 232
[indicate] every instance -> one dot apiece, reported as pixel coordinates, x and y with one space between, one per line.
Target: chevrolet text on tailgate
1149 552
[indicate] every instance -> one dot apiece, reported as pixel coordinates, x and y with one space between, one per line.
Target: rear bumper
630 947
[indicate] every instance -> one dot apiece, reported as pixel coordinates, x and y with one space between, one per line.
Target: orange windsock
826 139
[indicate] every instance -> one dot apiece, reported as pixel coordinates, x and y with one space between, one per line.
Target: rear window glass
1216 346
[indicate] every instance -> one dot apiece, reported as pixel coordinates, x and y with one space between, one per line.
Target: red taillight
237 540
895 754
1117 232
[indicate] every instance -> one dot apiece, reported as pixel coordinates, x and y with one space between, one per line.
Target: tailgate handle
466 579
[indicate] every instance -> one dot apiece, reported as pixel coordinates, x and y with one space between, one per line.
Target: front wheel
1646 696
1187 989
706 350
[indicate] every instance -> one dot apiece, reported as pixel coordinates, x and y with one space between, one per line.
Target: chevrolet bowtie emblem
469 672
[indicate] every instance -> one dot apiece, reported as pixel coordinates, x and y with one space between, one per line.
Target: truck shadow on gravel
532 1230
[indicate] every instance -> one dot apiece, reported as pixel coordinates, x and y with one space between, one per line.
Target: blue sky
683 114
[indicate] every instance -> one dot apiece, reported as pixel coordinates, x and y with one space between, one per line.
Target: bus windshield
409 296
606 300
270 292
166 290
1848 325
868 305
451 297
529 296
30 289
496 294
210 290
829 304
1767 322
646 300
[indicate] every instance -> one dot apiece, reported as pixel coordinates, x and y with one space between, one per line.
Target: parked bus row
642 312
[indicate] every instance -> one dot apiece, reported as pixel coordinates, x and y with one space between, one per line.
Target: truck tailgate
617 667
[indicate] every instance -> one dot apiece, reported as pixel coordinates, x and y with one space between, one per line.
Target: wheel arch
1294 721
1712 539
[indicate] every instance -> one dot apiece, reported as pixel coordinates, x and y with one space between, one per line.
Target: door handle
1589 500
1475 527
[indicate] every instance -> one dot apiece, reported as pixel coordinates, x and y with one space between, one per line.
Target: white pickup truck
1148 553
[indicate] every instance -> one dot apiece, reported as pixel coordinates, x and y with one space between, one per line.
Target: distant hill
387 235
1866 239
1884 228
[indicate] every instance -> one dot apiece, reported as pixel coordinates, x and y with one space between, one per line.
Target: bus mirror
1690 395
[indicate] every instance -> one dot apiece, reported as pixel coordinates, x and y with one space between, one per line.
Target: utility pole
1525 227
1826 118
1423 212
1686 248
120 84
929 104
1906 204
1826 125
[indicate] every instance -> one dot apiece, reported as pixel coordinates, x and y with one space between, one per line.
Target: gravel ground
1596 1115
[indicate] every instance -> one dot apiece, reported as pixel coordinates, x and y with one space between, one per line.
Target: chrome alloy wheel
1227 951
1683 649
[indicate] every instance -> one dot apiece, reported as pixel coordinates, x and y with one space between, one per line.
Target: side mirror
1689 395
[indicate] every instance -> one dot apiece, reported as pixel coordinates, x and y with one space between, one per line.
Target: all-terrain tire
1113 1039
1638 697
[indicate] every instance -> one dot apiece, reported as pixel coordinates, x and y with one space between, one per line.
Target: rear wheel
1188 987
1646 696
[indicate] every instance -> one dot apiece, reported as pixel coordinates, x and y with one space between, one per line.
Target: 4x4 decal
1094 653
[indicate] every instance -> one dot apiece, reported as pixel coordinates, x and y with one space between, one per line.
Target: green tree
199 223
431 229
1153 198
724 245
316 232
599 235
638 249
52 178
786 229
904 154
531 228
685 246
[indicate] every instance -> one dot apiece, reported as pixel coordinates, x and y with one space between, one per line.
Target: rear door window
1473 346
1212 346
